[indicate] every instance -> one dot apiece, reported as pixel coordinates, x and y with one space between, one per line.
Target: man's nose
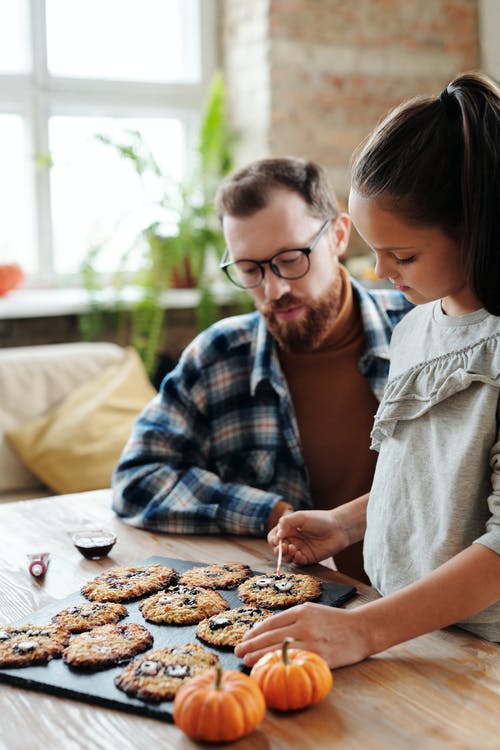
274 286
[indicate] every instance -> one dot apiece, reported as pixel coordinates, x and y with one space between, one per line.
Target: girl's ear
340 232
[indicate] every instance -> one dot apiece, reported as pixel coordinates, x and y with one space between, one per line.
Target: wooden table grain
437 692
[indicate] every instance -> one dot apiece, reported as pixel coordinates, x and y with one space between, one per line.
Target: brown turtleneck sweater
335 407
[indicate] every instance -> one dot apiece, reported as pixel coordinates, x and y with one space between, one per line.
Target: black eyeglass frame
225 264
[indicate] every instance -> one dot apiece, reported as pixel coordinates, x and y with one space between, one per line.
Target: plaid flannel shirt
218 447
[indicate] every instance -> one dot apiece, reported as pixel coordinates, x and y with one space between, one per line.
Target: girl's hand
308 536
336 635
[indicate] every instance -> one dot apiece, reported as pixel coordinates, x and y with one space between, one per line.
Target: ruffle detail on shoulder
416 391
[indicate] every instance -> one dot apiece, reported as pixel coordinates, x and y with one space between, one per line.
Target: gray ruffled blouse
436 488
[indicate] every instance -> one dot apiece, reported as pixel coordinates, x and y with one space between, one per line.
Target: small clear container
93 543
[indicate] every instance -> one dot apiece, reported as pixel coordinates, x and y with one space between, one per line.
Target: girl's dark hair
248 190
436 162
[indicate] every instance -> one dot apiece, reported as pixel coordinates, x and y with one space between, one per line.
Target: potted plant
169 259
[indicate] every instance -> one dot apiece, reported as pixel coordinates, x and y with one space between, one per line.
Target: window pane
15 232
13 33
98 200
122 39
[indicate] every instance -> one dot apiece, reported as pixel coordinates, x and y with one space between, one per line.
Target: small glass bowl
93 543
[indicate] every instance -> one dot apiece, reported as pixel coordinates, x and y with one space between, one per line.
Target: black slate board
98 687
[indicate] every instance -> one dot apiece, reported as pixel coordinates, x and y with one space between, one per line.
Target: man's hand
308 536
279 510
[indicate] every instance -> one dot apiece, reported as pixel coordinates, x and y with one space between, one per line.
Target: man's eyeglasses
287 264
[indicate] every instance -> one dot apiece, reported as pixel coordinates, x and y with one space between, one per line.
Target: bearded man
268 412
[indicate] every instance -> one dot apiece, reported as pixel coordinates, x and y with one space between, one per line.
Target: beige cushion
34 379
75 446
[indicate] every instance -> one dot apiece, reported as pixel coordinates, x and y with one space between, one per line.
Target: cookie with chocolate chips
278 592
89 615
125 584
107 645
216 576
228 628
157 675
27 645
182 605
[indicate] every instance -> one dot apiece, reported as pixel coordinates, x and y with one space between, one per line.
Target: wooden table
438 691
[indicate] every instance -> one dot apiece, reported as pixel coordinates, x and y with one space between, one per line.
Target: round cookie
125 584
27 645
182 605
89 615
216 576
278 592
107 645
157 675
228 628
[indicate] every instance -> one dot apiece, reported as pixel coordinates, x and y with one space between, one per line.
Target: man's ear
341 231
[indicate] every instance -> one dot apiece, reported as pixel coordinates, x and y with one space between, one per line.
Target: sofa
66 411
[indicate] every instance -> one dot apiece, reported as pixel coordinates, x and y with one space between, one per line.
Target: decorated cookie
182 605
277 592
107 645
125 584
216 576
228 628
89 615
27 645
157 675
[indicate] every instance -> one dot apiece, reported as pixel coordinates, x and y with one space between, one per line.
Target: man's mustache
283 303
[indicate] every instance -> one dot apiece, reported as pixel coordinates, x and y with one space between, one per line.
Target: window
71 70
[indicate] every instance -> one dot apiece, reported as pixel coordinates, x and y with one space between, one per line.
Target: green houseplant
168 259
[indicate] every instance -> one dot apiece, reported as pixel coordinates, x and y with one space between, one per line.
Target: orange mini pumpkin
11 276
291 678
219 706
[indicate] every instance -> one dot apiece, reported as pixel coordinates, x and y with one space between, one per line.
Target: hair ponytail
436 161
479 110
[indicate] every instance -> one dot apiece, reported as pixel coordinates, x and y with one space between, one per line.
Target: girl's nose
382 268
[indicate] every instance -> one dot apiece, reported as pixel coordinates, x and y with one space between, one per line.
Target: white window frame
37 95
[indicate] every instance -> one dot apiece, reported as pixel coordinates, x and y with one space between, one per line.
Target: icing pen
38 563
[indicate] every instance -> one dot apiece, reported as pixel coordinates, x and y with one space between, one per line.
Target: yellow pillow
75 446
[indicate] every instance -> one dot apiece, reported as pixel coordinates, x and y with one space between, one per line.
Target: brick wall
245 51
312 77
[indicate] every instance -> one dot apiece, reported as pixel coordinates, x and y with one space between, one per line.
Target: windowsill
41 303
46 303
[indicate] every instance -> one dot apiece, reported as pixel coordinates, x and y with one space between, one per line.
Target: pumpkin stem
284 649
218 676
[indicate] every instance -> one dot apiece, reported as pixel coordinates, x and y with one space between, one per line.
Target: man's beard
312 329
